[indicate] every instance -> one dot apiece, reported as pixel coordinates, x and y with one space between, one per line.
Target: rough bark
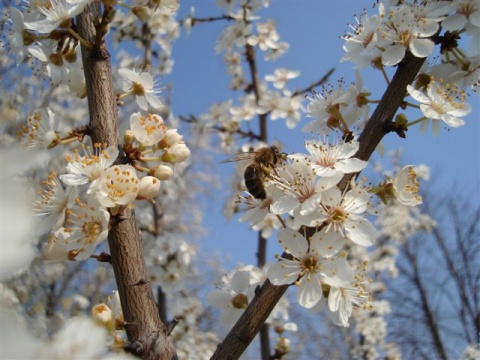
146 333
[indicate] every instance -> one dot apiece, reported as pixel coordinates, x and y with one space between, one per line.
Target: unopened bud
401 120
148 188
171 138
162 172
103 315
129 137
177 153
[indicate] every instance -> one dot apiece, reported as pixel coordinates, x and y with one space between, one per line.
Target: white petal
310 204
219 298
129 74
427 27
293 242
240 281
328 182
474 17
418 95
284 272
309 292
284 204
428 112
351 165
360 231
331 197
452 120
421 47
462 111
393 55
327 244
254 216
142 102
154 102
334 299
454 22
347 150
73 179
38 52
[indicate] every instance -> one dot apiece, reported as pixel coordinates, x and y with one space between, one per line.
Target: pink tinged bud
148 188
177 153
162 172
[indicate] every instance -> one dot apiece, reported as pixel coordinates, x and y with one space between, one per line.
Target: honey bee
263 163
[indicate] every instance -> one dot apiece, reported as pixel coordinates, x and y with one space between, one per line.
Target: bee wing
241 157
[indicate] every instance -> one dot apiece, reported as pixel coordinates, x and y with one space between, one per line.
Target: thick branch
98 76
146 333
257 312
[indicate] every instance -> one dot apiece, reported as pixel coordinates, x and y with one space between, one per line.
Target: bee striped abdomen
254 181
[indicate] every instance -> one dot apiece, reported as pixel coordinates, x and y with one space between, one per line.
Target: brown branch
258 310
313 85
246 134
265 351
147 37
146 333
211 19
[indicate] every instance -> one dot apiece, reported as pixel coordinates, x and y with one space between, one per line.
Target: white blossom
89 167
441 102
149 129
57 14
406 30
143 87
118 185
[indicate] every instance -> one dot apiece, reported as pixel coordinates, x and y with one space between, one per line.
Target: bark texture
146 333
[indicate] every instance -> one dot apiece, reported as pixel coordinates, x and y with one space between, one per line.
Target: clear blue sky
312 28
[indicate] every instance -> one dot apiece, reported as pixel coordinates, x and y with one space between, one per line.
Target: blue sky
313 29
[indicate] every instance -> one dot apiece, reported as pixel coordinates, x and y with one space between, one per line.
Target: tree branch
257 312
146 333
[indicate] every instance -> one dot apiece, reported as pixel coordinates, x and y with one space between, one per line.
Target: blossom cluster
45 32
384 40
243 37
237 289
76 206
322 223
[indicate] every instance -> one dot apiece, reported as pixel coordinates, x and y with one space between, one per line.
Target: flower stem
79 38
417 121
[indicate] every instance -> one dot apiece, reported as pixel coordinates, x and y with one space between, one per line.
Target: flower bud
148 188
162 172
128 137
171 138
103 315
177 153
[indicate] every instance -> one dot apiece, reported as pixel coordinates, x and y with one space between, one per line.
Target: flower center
240 301
138 89
310 264
337 215
91 229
